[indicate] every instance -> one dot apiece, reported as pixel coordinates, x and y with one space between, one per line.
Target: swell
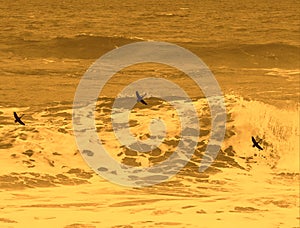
78 47
264 55
85 46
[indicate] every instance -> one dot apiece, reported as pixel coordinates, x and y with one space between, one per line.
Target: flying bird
18 119
255 144
140 98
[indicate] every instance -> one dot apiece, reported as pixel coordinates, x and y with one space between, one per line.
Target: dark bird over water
140 98
18 119
255 144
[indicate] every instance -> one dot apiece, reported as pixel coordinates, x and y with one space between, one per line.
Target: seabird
18 119
255 144
140 98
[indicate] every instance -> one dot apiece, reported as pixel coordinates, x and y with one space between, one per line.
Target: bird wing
253 140
15 115
144 102
259 147
21 122
137 94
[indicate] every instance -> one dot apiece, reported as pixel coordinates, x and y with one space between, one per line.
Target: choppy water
249 42
251 47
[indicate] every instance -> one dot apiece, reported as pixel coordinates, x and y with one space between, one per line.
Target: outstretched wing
144 102
253 140
21 122
137 94
259 147
15 115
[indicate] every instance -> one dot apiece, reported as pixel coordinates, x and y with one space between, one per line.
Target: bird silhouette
255 144
18 119
140 98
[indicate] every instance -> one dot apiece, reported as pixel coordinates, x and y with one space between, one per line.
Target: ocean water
253 50
245 41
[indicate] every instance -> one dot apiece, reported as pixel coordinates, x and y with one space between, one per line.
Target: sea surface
252 49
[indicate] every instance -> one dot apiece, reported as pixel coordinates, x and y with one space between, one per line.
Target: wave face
92 47
51 147
277 128
77 47
262 55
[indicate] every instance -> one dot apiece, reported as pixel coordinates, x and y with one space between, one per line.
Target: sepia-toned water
253 50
